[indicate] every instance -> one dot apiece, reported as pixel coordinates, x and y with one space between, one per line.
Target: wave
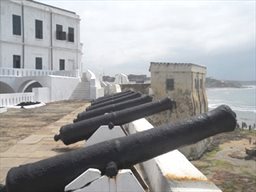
251 109
245 87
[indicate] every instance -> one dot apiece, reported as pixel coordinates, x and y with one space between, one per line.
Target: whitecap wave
251 109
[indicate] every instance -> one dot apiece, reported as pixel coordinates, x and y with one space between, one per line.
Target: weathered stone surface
188 90
40 144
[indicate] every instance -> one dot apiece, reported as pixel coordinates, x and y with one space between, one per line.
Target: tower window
169 84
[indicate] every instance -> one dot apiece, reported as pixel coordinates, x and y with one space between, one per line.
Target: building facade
184 83
38 36
39 47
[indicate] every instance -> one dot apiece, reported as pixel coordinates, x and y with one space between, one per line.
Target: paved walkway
38 146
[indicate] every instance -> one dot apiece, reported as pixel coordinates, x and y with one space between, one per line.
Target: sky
125 36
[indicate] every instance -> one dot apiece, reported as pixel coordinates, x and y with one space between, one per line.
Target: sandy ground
227 164
26 135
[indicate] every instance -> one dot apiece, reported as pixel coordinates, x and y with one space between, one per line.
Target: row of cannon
53 174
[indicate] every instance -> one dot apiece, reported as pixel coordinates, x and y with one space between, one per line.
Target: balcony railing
11 99
32 72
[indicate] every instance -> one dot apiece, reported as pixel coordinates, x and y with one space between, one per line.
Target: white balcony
11 72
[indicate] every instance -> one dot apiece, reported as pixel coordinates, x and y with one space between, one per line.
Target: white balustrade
33 72
11 99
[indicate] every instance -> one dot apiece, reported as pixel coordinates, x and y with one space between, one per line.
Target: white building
39 47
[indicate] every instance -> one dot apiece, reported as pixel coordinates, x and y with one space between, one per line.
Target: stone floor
38 145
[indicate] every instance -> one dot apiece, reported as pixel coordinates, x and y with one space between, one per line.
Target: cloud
124 36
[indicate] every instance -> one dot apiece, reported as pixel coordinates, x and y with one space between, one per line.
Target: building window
16 25
169 84
62 64
60 35
16 61
71 34
39 63
39 29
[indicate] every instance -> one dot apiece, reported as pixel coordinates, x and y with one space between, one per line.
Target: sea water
240 100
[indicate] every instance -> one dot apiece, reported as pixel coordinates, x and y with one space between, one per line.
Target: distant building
179 80
108 79
39 48
137 78
185 83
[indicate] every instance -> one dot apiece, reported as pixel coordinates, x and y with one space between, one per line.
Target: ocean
241 100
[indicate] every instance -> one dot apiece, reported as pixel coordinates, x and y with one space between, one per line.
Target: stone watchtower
185 83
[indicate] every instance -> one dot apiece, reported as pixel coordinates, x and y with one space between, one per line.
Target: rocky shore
214 83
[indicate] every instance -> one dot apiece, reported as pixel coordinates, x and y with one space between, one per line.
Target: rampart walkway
26 135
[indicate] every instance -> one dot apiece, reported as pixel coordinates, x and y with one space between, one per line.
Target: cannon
111 108
84 129
53 174
116 100
105 98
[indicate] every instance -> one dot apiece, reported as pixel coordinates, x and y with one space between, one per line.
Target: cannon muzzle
53 174
84 129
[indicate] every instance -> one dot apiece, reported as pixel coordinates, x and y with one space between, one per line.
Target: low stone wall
143 88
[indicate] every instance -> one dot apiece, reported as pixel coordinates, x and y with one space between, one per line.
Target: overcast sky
125 36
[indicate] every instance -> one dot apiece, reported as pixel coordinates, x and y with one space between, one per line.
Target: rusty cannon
115 100
113 107
53 174
113 96
84 129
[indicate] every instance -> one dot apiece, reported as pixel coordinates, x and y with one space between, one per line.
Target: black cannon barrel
84 129
105 98
114 107
111 95
53 174
112 101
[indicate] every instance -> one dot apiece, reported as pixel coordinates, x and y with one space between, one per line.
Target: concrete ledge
3 109
171 171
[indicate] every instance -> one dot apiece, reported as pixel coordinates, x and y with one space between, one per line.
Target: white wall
41 94
32 52
65 22
62 87
30 15
33 47
7 52
67 55
7 10
171 171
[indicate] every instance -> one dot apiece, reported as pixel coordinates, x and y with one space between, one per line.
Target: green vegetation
225 163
